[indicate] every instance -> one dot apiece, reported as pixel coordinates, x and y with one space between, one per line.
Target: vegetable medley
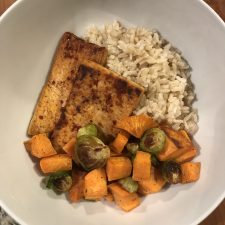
143 157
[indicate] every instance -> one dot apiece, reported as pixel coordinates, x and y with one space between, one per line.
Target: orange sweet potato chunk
76 192
95 184
55 163
188 156
169 149
120 141
125 200
40 146
118 167
177 144
141 166
69 147
136 125
152 185
190 172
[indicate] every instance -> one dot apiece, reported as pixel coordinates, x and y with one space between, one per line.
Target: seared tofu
98 96
56 91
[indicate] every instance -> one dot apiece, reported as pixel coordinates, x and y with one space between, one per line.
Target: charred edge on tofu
122 87
70 50
84 71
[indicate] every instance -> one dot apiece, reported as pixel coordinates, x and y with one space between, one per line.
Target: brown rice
143 56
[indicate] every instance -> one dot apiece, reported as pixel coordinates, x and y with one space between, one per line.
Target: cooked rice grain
145 57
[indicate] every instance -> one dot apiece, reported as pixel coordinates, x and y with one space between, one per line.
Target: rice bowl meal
115 120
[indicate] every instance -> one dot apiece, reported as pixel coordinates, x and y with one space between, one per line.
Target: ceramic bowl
29 33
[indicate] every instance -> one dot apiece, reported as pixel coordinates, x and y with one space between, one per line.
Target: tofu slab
98 96
56 91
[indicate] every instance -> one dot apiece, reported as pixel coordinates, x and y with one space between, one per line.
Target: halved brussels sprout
89 129
92 130
90 152
153 141
60 181
171 172
132 148
129 184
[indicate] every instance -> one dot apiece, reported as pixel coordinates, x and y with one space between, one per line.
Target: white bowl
30 31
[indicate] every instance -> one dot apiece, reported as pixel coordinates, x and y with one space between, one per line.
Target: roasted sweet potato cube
76 192
69 147
154 184
125 200
141 166
178 147
116 189
128 204
95 184
40 146
55 163
120 141
190 172
180 140
136 125
188 156
169 149
118 167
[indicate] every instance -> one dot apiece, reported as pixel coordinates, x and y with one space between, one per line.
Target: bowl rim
2 204
203 215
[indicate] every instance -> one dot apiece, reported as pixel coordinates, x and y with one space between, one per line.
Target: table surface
217 217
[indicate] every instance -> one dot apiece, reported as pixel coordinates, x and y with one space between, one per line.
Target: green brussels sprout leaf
89 129
132 148
129 184
60 181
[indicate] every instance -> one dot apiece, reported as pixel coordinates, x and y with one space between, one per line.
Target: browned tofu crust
55 92
99 96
